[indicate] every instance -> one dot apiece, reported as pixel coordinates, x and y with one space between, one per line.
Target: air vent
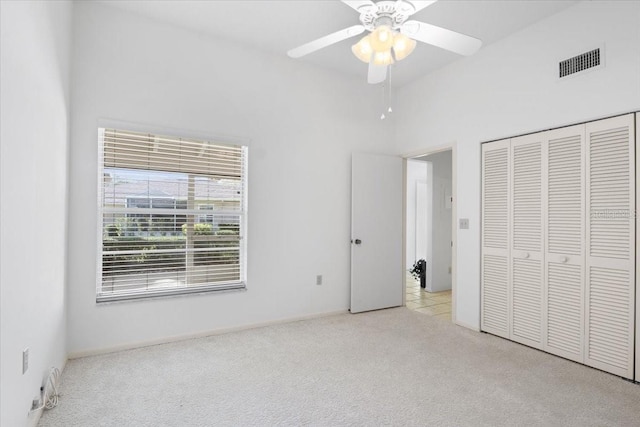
579 63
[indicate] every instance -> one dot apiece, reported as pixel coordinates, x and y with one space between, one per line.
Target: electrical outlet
35 403
319 279
25 360
464 223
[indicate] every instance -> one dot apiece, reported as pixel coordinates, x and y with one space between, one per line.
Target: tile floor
437 304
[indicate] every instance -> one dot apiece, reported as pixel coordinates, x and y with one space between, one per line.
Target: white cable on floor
49 392
50 395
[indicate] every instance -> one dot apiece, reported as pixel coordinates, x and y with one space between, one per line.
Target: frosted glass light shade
377 46
402 46
382 38
363 50
383 58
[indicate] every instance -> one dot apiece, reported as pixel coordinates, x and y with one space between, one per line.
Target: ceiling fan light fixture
402 46
363 50
383 58
382 38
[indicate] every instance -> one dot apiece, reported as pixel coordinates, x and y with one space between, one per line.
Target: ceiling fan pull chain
388 93
384 100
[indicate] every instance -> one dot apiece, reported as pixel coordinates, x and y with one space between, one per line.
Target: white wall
303 124
35 53
510 88
440 222
416 172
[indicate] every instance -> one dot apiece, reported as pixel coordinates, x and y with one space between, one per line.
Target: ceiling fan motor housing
390 13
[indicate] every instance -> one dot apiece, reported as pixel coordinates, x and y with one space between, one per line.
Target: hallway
437 304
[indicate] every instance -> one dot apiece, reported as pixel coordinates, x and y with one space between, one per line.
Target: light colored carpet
389 367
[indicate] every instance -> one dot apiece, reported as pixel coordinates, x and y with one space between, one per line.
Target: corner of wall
36 44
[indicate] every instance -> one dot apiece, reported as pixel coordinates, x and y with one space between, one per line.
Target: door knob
564 259
357 241
526 255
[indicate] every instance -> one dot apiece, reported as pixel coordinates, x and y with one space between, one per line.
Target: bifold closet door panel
565 243
527 231
495 238
610 260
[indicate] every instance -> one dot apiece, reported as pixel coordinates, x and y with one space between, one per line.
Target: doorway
430 233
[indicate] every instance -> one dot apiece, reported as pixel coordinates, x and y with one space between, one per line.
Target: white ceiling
277 26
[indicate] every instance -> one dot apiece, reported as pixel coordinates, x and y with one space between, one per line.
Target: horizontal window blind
172 214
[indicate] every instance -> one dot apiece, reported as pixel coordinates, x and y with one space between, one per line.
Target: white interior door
610 260
376 232
496 292
564 255
527 231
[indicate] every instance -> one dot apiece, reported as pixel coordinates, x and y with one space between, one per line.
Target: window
155 237
205 218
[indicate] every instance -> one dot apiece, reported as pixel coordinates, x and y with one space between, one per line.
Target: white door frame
637 213
454 217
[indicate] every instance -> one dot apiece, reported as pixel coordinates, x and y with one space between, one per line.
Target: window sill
177 292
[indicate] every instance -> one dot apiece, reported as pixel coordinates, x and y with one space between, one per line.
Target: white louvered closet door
610 260
527 231
564 253
495 238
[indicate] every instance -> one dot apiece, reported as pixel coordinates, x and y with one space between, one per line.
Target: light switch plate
464 223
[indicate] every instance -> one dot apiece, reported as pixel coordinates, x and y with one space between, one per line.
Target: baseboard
466 325
220 331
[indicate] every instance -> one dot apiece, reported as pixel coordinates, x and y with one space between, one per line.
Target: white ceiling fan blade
377 73
325 41
441 37
418 5
359 5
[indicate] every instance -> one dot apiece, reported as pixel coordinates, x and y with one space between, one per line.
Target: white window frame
240 284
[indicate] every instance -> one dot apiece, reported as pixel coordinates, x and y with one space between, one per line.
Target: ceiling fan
391 36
